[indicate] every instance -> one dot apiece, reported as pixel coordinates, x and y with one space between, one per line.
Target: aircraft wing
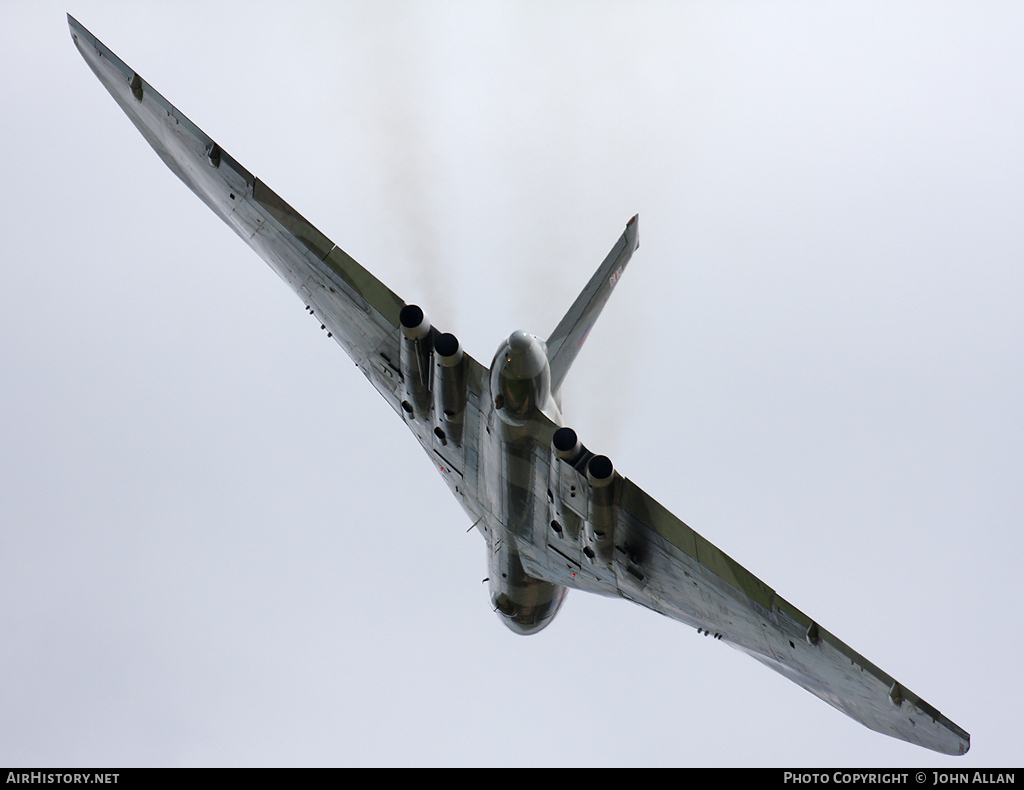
650 556
359 311
656 560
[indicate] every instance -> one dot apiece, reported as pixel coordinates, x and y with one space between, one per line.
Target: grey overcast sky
220 547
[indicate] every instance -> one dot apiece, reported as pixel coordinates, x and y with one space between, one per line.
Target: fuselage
519 419
548 507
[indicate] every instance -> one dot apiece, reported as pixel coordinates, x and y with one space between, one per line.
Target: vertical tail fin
567 339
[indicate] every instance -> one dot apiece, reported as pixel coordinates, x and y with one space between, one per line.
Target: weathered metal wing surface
656 560
360 312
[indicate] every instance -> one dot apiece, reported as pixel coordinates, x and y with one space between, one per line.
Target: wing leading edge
356 309
657 561
361 313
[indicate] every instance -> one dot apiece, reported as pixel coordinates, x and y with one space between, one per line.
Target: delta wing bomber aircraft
555 515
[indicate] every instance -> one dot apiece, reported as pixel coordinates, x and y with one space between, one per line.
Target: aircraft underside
554 514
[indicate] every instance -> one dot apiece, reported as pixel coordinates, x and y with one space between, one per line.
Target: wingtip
75 26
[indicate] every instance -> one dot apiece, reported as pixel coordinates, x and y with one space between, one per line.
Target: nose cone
527 619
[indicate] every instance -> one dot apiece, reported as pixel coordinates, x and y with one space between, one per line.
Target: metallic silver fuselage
554 514
520 413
